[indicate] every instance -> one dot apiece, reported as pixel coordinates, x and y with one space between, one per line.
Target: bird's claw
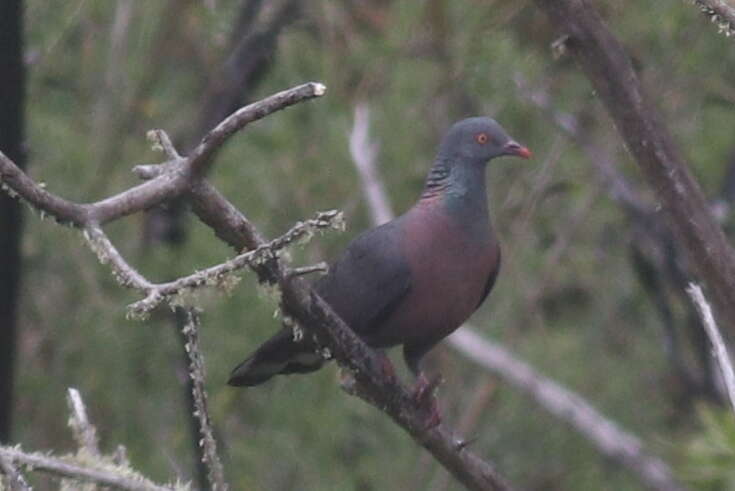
423 395
386 368
424 389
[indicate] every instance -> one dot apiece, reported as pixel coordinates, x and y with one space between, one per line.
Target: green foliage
710 455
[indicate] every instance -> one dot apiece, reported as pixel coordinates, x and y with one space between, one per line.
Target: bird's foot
386 368
423 395
424 388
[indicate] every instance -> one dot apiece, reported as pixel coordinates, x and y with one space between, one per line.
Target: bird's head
478 140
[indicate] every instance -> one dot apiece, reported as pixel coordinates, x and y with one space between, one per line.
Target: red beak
514 148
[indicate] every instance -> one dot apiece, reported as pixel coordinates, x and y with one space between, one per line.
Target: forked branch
183 176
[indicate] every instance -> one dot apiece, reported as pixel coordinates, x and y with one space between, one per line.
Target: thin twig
199 158
218 275
67 467
719 349
210 457
321 267
84 431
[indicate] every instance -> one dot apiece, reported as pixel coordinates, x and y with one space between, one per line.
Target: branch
604 434
199 159
720 13
15 480
364 154
84 431
719 350
115 477
214 275
215 474
559 401
88 465
611 73
162 188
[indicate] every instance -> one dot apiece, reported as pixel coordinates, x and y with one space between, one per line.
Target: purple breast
449 273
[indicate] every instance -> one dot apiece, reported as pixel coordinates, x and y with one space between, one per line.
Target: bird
415 279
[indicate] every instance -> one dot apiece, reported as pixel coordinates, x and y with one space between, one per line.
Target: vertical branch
364 153
718 344
208 444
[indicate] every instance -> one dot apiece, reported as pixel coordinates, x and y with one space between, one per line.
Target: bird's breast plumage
449 267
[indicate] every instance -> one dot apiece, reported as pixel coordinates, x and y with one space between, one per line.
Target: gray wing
369 281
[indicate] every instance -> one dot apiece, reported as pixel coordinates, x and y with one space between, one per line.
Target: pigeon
414 280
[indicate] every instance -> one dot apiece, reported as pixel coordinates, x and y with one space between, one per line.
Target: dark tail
279 355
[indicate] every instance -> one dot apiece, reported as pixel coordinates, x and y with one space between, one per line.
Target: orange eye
481 138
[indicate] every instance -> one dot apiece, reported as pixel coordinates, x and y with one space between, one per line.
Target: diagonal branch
719 349
720 13
217 275
164 187
609 438
609 69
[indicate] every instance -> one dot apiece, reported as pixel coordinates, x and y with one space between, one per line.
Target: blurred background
591 291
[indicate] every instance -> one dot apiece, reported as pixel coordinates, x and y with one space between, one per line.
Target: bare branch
17 182
107 253
720 13
164 187
607 436
14 479
84 432
364 154
719 349
216 275
112 476
611 73
200 157
215 475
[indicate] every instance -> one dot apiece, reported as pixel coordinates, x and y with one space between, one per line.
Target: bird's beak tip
518 150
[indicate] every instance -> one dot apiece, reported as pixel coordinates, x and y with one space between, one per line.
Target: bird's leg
424 388
423 393
386 367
